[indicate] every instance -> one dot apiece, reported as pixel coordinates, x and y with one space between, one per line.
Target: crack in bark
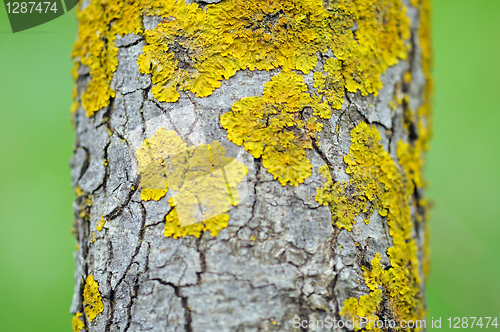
157 103
184 302
111 295
104 181
136 286
119 209
258 165
132 44
321 154
203 261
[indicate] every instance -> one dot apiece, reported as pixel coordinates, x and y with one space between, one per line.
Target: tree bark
250 166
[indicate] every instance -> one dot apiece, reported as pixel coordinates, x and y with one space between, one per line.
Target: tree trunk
250 165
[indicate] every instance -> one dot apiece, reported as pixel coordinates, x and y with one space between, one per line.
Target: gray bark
280 256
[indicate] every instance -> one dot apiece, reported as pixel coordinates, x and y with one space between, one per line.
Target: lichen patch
194 49
92 302
204 182
378 184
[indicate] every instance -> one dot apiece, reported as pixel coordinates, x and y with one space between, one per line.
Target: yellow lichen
79 191
411 160
378 184
332 84
416 152
99 24
372 278
373 175
163 156
366 307
175 230
84 203
194 49
378 42
274 128
100 224
343 207
424 112
76 323
204 180
95 48
92 302
74 94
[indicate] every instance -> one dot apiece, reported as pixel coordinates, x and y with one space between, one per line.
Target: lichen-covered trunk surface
249 165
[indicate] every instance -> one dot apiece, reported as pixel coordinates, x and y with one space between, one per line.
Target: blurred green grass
463 168
36 140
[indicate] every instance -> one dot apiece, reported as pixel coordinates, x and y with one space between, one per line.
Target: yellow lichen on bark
231 36
332 84
379 185
213 225
373 174
76 323
194 49
204 180
373 276
161 162
100 224
366 307
343 207
424 112
92 302
273 127
236 34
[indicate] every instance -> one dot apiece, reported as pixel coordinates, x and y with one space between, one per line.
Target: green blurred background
36 139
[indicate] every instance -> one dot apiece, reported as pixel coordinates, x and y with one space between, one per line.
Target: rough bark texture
279 257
